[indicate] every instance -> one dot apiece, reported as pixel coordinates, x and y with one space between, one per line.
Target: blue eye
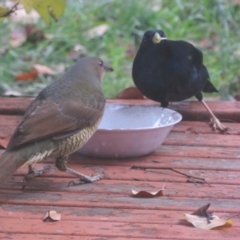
100 63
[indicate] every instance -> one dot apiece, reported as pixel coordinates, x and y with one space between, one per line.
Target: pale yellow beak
157 38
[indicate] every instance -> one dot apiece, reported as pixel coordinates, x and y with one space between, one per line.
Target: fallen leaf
27 76
130 93
143 193
79 47
77 52
204 220
52 216
97 31
43 69
4 141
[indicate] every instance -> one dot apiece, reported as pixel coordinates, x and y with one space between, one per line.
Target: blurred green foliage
213 26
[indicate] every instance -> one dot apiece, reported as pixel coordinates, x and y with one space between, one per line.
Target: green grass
194 21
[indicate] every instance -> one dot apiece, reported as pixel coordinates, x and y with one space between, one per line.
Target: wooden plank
106 209
196 151
149 172
14 105
31 236
194 110
96 214
192 139
197 127
109 200
151 161
191 110
112 229
174 189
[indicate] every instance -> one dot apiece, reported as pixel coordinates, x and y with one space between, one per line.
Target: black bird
171 71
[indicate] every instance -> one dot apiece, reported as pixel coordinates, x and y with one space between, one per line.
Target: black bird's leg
215 123
61 164
35 173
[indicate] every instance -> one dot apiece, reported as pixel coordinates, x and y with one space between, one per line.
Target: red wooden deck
106 210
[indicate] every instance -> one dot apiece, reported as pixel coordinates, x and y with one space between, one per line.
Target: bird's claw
35 173
217 125
85 179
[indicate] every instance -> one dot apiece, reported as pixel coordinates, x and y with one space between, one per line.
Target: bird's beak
107 68
157 38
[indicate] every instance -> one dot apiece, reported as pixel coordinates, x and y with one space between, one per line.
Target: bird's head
90 68
154 36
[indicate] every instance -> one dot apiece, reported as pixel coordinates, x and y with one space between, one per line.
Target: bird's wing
45 118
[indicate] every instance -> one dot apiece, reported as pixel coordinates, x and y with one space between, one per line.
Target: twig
236 215
12 10
189 177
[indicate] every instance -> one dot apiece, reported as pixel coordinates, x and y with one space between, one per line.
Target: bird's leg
61 164
34 173
215 123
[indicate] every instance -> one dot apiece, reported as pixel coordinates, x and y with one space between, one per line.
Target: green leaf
49 8
27 4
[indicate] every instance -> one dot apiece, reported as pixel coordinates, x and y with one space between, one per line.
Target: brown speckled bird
59 121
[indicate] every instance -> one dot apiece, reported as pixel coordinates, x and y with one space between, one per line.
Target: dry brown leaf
202 219
130 93
97 31
44 69
51 216
144 193
27 76
79 47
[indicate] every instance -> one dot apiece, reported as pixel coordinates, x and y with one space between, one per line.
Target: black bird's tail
209 88
9 163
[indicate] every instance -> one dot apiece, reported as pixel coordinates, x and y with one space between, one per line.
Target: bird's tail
8 165
209 88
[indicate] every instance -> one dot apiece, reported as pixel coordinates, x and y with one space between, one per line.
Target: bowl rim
170 111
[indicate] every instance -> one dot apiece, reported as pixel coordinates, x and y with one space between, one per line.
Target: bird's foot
83 178
35 173
217 125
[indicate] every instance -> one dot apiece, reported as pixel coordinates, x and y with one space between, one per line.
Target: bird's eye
100 63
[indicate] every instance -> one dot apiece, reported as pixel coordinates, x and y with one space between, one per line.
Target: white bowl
130 131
